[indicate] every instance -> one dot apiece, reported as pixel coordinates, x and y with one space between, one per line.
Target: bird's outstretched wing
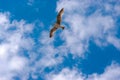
52 31
57 23
59 19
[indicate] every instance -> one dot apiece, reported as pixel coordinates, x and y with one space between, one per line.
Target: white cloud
4 18
16 63
12 43
47 51
66 74
114 10
114 40
117 9
110 73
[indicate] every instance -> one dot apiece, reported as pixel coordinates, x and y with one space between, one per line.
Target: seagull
58 23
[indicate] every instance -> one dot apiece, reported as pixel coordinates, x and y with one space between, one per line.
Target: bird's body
58 23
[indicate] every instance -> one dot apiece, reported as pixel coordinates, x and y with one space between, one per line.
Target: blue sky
88 48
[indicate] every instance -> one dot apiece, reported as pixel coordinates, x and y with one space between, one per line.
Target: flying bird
58 23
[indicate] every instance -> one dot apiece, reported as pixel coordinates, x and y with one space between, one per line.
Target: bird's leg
62 27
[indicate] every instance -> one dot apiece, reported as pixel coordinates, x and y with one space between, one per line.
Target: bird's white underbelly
56 25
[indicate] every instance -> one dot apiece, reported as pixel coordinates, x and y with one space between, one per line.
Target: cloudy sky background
88 48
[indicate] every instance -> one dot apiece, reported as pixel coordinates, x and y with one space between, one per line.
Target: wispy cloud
66 74
13 41
110 73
